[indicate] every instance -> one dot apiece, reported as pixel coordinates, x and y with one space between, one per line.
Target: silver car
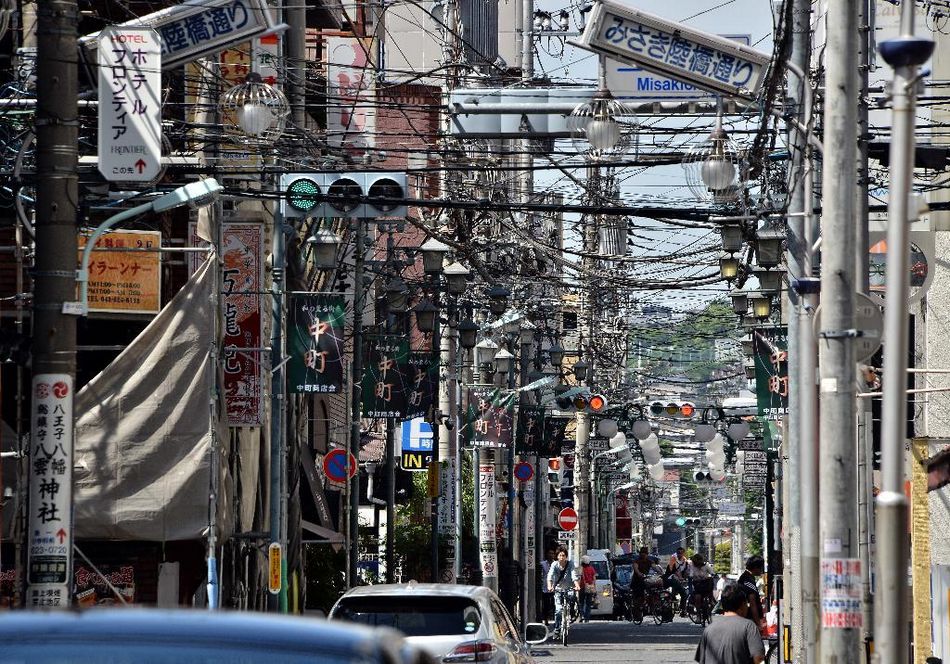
455 623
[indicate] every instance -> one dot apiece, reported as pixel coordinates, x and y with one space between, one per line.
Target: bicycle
699 608
772 654
568 602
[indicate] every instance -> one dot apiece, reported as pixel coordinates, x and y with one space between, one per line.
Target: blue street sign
524 471
416 435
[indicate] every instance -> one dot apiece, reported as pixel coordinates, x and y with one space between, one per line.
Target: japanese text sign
51 481
125 281
665 47
530 430
385 377
490 421
315 339
422 383
130 107
770 353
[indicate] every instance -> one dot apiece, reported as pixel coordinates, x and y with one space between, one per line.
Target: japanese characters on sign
841 593
707 61
530 430
92 589
125 281
422 383
51 481
385 377
769 347
130 106
490 421
487 554
315 344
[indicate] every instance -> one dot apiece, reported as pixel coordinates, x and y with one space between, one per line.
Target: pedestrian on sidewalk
588 588
547 595
731 638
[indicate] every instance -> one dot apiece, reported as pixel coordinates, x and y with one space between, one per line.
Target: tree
723 563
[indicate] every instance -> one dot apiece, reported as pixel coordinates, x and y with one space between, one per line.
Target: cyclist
641 567
563 581
702 579
675 576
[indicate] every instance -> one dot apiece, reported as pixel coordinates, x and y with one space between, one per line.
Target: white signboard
447 498
566 535
487 553
130 107
51 482
671 49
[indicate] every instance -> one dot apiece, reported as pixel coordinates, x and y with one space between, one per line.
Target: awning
324 535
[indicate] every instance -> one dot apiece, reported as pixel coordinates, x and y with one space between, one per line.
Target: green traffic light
681 522
302 194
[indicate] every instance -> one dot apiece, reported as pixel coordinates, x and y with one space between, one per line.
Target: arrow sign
567 519
61 534
140 165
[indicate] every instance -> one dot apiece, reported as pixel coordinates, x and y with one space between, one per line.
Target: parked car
456 623
133 636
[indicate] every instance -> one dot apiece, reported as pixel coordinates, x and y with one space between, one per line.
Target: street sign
524 471
566 535
339 466
130 104
672 49
417 449
598 444
273 568
868 320
567 519
51 481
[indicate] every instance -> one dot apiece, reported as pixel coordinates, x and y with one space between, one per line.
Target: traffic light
688 521
581 403
681 410
359 195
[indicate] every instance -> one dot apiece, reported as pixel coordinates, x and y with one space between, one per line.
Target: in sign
130 108
567 519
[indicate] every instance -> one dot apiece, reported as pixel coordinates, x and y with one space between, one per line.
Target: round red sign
567 519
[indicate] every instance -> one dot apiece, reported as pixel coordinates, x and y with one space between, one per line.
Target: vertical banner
487 553
530 545
315 343
530 430
51 480
553 440
351 87
841 593
490 421
770 353
422 385
385 377
242 279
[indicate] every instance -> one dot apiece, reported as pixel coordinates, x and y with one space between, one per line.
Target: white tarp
143 435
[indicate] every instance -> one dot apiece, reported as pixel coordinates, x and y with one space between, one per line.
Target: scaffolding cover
143 432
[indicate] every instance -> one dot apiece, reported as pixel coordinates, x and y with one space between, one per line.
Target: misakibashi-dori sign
705 60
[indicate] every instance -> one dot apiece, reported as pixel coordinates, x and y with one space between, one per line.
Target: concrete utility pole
54 333
798 171
840 634
905 54
356 409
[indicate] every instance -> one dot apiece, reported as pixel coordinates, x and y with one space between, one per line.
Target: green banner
315 344
423 385
770 353
490 418
530 430
387 376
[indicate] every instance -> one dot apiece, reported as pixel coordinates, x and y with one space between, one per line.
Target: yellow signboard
125 272
273 568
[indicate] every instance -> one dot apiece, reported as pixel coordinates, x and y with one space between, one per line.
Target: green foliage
723 563
325 574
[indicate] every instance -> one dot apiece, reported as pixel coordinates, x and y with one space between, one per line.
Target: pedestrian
731 638
588 588
547 596
563 581
754 568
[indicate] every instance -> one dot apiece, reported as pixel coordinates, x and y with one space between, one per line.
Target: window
419 615
569 320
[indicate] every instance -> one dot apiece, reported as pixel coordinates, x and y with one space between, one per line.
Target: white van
604 605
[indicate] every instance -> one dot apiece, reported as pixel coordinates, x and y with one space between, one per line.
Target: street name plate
598 444
566 535
672 49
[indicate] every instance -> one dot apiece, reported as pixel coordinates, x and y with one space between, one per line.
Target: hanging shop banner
770 353
315 344
125 281
487 552
386 376
530 430
91 589
490 418
553 440
423 384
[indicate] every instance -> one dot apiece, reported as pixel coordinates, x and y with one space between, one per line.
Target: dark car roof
196 626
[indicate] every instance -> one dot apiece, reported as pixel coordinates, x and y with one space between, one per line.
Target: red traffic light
597 403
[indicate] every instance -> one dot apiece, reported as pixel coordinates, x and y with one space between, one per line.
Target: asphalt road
603 642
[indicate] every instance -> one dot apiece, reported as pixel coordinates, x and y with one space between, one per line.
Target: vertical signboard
125 281
490 417
385 377
487 553
130 104
315 344
770 354
841 593
351 83
530 430
417 445
51 484
422 384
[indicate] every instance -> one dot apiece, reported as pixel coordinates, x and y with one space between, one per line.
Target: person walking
563 581
547 595
754 568
731 638
588 588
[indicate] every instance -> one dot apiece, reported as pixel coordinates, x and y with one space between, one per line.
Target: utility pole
356 409
54 332
839 633
905 54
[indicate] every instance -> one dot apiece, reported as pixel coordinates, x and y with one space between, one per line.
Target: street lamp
595 129
456 277
768 245
468 334
728 267
324 244
740 301
580 369
194 194
426 313
255 111
556 355
433 253
761 304
503 360
769 280
498 299
731 237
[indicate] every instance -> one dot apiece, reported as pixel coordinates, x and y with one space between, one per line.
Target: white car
455 623
604 605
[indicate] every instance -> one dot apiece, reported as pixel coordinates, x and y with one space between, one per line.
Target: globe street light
255 111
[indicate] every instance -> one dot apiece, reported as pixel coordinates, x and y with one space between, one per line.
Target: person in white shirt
563 581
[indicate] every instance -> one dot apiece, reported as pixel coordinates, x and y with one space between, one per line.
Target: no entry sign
567 519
